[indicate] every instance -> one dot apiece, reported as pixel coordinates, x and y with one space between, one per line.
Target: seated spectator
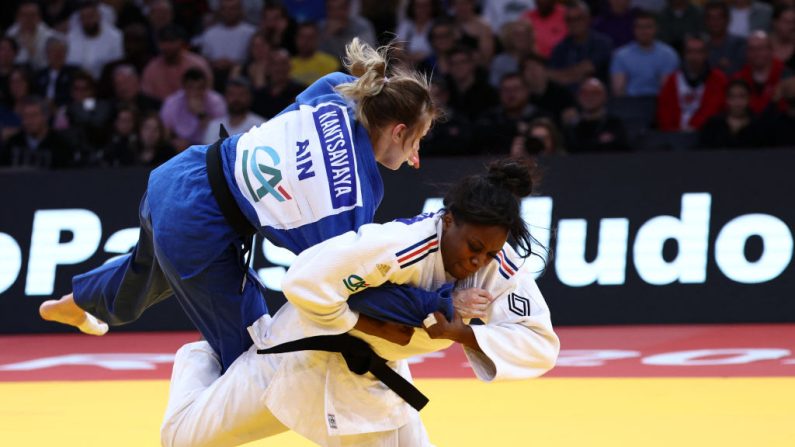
256 67
56 14
540 137
154 147
31 34
238 118
762 73
726 51
163 74
54 82
382 14
340 27
309 64
251 9
159 16
549 25
499 12
783 36
86 121
278 26
595 130
518 42
497 127
782 125
545 93
94 43
36 145
225 44
8 55
136 54
583 53
106 14
473 31
443 38
639 68
187 112
737 127
692 94
652 6
413 30
679 19
451 135
617 22
305 10
747 16
280 91
20 86
127 91
470 92
123 145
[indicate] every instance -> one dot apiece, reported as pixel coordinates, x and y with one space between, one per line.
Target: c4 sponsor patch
354 283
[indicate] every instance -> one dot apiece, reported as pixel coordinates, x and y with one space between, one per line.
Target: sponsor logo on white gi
519 305
332 129
354 283
259 170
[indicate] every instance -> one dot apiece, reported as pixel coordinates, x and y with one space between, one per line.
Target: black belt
226 202
360 358
229 208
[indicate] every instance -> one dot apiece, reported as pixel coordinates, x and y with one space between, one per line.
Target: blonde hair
385 94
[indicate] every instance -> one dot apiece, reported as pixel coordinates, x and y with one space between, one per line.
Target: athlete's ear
448 220
399 132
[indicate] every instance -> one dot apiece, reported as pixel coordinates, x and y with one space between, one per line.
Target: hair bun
512 175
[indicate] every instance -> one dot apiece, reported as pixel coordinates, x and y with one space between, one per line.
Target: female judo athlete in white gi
305 176
313 392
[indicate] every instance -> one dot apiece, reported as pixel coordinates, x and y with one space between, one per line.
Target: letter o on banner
10 261
776 248
735 356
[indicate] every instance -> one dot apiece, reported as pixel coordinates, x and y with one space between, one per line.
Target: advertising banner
702 237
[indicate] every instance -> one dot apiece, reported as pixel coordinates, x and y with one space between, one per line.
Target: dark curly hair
494 198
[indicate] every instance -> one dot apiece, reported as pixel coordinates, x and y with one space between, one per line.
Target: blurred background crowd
132 82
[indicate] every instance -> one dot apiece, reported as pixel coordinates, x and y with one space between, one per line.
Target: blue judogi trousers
119 291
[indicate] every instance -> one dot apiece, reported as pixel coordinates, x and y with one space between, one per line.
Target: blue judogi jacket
305 176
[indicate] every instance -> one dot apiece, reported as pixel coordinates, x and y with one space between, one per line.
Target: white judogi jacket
517 340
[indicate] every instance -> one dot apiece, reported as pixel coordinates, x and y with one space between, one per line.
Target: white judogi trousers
208 409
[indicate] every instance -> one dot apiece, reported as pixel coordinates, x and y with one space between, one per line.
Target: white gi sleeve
517 340
322 277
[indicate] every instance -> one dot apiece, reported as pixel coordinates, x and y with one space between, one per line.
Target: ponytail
384 94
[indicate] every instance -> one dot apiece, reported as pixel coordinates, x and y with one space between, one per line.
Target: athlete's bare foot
65 311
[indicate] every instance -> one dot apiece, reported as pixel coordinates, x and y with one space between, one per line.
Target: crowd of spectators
133 82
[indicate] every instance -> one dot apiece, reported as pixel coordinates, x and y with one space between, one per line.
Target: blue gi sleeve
403 304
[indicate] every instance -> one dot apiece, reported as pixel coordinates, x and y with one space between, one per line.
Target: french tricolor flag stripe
417 252
504 265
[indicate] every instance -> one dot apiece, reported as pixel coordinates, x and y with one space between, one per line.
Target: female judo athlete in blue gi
324 396
305 176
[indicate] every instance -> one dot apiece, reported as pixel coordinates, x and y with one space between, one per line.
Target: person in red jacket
692 94
762 72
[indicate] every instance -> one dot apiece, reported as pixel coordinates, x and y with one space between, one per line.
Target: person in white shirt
313 392
238 118
31 34
499 12
225 44
94 43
